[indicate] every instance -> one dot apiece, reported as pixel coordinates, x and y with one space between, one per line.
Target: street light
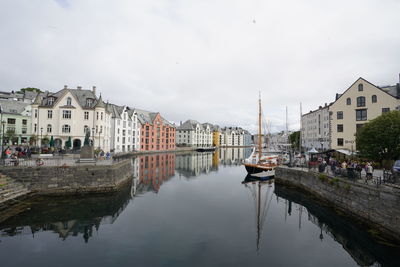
41 133
3 123
99 137
93 136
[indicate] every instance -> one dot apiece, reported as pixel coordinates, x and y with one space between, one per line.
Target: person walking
369 171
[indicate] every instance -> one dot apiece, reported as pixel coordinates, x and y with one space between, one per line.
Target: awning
312 150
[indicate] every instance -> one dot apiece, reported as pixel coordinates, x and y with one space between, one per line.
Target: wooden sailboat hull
259 171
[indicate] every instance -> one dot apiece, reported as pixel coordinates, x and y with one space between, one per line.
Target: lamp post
93 136
41 133
100 132
3 123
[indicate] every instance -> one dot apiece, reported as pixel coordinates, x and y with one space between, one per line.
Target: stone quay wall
377 207
72 179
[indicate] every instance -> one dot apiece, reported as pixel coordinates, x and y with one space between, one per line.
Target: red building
156 132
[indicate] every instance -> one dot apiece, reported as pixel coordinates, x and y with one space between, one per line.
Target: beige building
360 103
69 114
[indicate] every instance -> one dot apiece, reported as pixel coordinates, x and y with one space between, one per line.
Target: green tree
294 139
29 89
32 139
379 139
45 140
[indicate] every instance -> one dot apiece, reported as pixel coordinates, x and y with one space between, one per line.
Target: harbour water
189 210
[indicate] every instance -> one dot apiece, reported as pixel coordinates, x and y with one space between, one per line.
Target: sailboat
259 165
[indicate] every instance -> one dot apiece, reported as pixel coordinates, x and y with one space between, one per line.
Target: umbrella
68 143
51 141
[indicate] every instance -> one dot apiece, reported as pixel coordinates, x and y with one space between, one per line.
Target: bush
347 187
322 177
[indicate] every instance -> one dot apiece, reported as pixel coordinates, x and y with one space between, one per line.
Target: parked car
396 168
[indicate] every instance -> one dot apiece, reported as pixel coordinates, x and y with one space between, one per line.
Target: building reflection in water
154 170
354 237
234 156
194 164
70 216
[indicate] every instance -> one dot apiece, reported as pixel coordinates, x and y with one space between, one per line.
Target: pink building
156 132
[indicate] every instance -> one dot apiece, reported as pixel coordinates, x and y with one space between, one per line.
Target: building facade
125 129
156 132
15 122
193 133
315 131
360 103
69 114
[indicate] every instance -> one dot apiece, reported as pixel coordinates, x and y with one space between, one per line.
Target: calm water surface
188 210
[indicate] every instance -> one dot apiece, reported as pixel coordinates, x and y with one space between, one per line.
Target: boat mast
259 127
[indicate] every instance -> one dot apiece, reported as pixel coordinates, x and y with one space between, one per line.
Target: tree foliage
30 89
379 139
295 139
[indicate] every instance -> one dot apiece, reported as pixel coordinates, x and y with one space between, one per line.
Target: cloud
203 60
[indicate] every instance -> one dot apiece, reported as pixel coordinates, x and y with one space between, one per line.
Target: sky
205 60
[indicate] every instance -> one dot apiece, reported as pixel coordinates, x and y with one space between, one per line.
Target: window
360 87
49 114
374 99
49 128
24 122
69 101
361 115
385 110
50 101
36 113
101 129
97 115
348 101
10 121
86 115
85 129
340 115
340 141
66 114
340 128
101 115
361 101
24 130
89 102
35 127
66 128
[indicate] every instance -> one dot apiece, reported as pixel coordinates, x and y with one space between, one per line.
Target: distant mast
259 126
301 127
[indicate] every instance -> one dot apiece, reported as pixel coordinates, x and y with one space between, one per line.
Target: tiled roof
12 106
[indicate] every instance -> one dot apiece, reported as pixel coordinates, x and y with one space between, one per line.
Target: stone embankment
10 190
376 207
46 180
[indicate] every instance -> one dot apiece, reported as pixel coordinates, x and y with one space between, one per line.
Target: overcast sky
206 59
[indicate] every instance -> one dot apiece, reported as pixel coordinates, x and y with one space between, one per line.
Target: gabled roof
12 106
80 95
361 78
145 116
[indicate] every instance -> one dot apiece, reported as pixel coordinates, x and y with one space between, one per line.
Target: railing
54 162
379 177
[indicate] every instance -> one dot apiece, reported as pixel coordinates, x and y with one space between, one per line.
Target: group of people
350 167
101 155
18 152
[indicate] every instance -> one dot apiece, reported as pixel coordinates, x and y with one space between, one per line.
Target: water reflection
71 216
354 238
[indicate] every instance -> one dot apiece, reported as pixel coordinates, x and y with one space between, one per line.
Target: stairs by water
10 190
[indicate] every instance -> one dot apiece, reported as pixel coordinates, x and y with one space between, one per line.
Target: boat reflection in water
261 193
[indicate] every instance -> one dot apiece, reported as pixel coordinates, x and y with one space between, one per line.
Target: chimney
326 104
79 87
65 86
94 90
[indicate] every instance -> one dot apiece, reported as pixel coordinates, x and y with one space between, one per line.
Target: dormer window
69 101
50 100
89 102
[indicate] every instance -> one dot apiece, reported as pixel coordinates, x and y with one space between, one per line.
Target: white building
315 131
69 114
193 133
125 129
232 136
